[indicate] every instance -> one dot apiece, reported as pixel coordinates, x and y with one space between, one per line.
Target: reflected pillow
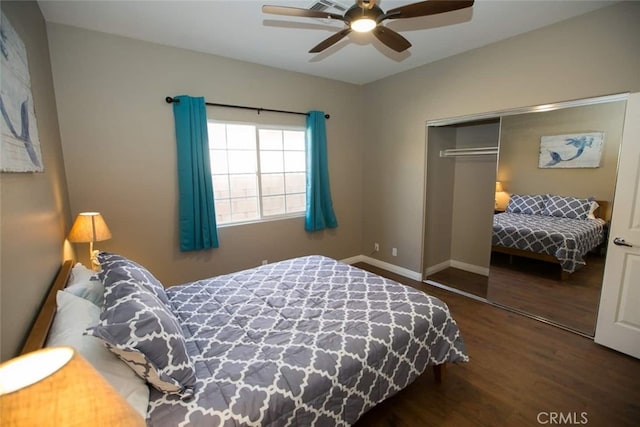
592 210
567 207
526 204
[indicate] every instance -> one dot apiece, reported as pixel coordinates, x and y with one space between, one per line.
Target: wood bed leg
564 275
438 372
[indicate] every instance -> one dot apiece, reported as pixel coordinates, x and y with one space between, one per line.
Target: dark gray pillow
526 204
115 268
567 207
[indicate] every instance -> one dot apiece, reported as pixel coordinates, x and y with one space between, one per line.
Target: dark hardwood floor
521 373
535 287
472 283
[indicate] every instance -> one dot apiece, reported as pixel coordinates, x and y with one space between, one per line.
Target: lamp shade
89 227
56 387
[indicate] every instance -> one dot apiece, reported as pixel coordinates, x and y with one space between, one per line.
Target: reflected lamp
501 197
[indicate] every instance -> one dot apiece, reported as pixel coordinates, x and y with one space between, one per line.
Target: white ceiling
238 29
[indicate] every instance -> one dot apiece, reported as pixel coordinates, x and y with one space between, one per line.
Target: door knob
620 242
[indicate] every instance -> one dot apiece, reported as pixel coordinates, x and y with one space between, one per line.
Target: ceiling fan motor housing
356 12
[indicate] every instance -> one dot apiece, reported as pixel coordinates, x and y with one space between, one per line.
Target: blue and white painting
19 145
578 150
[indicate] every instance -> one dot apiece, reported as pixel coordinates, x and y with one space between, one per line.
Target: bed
306 341
551 228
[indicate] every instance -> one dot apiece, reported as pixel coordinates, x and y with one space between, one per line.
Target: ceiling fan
365 16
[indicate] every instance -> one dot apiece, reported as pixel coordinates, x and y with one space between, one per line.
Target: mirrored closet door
501 191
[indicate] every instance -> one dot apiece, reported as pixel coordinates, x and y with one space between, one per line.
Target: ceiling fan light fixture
363 25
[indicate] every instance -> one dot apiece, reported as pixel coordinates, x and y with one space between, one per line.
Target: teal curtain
319 210
197 213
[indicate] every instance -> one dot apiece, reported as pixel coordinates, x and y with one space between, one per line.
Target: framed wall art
19 145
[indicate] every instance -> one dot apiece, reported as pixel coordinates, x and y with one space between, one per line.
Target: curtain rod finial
170 100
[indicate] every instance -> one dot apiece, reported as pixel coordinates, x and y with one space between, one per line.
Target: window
259 172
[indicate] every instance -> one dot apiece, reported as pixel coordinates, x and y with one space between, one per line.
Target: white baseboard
471 268
385 265
438 267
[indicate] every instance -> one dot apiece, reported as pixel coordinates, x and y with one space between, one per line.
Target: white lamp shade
57 387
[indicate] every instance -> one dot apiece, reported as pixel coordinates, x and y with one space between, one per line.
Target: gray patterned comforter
568 240
308 341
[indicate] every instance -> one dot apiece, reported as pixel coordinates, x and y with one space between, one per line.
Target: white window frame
258 172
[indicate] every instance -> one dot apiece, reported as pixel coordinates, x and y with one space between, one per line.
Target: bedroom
119 102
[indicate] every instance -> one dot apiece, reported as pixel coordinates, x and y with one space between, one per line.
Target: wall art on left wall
20 145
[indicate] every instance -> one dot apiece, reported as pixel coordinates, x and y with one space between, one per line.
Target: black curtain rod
212 104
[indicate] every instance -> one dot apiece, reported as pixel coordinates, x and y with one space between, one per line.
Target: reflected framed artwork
578 150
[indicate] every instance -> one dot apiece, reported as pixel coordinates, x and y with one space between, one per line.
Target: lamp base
95 264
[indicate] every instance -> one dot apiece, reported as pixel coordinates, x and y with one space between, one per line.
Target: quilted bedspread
307 341
568 240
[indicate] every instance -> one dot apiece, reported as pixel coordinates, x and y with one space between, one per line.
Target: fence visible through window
259 172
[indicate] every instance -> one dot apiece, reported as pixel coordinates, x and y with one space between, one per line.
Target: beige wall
520 146
119 146
591 55
35 209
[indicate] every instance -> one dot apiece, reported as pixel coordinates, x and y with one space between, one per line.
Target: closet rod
258 109
479 151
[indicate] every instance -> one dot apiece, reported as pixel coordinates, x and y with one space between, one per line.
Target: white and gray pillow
116 268
526 204
567 207
137 326
73 315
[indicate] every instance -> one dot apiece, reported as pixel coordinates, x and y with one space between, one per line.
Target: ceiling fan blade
296 11
331 40
392 39
424 8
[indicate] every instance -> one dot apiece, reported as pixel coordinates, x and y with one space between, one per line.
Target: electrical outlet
265 262
394 251
376 247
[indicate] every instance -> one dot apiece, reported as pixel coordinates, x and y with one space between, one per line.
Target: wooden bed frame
37 337
40 329
601 212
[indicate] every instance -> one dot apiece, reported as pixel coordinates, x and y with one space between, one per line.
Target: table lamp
56 387
501 197
89 227
499 189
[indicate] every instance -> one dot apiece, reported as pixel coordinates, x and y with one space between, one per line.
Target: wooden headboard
37 336
603 210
